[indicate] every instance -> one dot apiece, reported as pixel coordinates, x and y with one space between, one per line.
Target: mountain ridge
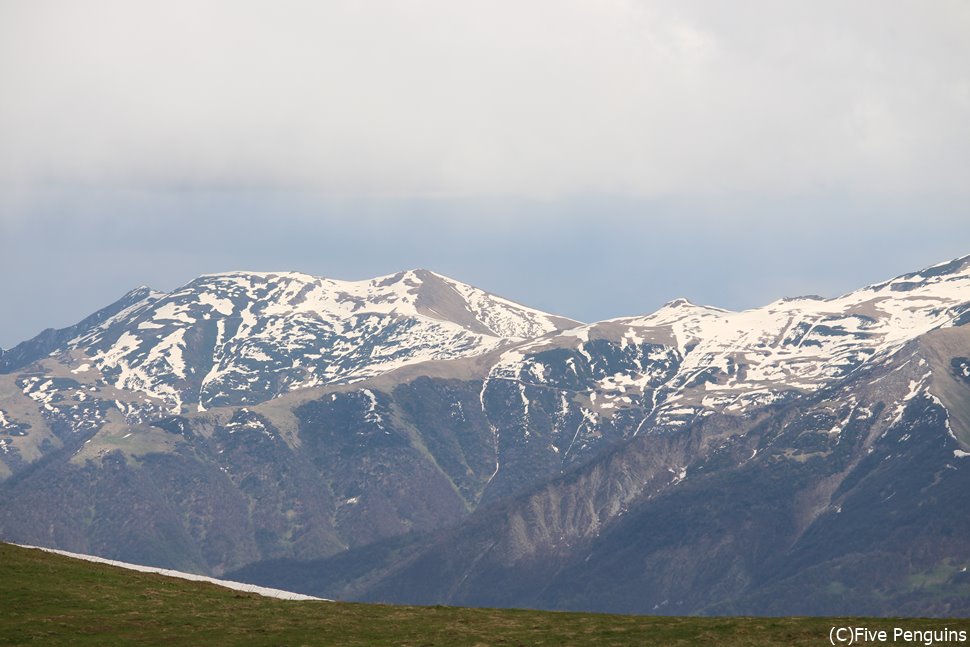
186 430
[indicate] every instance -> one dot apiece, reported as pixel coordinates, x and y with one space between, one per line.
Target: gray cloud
589 258
545 99
589 157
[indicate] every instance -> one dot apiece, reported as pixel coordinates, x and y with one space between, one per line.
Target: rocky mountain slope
414 439
244 337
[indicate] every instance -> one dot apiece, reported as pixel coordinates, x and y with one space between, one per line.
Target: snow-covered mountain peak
240 336
243 337
679 303
410 293
800 344
736 361
685 320
938 276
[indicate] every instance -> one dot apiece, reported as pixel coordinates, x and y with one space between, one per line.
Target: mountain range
414 439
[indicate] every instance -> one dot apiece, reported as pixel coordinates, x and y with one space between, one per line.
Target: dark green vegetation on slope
773 514
53 600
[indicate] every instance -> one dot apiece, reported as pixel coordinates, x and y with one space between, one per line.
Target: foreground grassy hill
48 599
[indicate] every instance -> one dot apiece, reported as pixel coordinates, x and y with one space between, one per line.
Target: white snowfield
240 338
236 586
803 343
225 335
736 361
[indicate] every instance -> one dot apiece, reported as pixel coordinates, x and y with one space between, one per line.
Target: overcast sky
590 157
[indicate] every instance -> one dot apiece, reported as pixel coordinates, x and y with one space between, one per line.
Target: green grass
48 599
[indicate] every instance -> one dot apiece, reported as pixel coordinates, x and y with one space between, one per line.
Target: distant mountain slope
51 340
243 337
422 440
738 361
848 500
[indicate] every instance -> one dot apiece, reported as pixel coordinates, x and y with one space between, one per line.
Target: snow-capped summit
787 427
736 361
239 337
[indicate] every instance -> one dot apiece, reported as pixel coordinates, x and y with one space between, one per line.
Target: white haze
593 158
544 99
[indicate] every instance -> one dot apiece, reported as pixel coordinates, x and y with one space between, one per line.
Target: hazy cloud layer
548 98
593 158
589 259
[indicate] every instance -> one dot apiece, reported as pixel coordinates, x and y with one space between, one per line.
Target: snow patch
221 305
236 586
